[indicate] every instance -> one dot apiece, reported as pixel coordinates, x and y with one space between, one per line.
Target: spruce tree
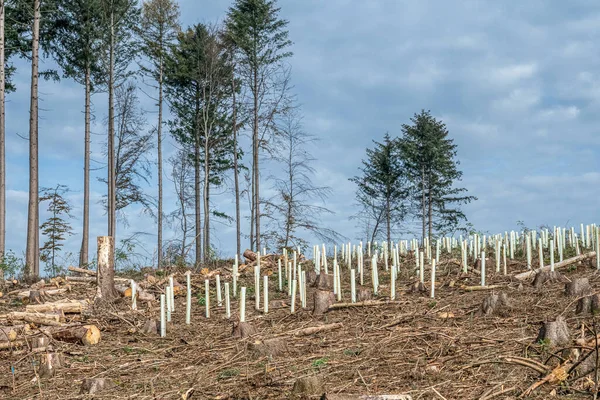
382 188
430 162
262 42
56 228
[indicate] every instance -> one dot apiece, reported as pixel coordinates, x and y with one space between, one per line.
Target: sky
517 84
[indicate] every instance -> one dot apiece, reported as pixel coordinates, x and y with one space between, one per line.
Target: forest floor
427 348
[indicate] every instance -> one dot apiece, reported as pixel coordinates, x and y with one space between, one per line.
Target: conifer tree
56 228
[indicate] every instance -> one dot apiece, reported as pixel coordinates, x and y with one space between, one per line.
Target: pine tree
56 228
430 161
158 31
197 79
77 48
382 189
261 40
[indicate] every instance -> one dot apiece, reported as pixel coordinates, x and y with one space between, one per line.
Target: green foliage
228 373
319 363
352 352
382 189
56 228
10 264
431 167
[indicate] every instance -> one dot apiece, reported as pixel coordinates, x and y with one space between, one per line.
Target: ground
438 348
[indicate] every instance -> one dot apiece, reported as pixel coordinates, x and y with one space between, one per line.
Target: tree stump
275 304
364 294
544 277
242 330
150 327
554 333
49 363
40 342
323 299
268 348
497 304
311 277
95 385
588 305
35 297
324 281
308 386
106 269
578 287
418 287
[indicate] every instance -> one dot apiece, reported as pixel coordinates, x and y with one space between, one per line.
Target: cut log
242 330
578 287
82 271
48 292
141 294
317 329
95 385
49 363
497 304
307 387
88 335
478 288
324 281
67 307
10 333
543 277
588 305
250 255
564 263
554 333
322 300
39 319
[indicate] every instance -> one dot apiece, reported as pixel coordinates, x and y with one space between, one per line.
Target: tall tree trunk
206 198
32 249
423 210
256 147
2 142
160 173
236 174
430 213
83 254
112 195
388 219
197 205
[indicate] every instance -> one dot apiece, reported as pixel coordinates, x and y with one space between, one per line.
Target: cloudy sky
517 83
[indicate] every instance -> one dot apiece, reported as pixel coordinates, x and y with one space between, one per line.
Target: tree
261 41
121 18
77 48
198 88
429 159
382 188
158 31
182 175
132 146
297 206
56 228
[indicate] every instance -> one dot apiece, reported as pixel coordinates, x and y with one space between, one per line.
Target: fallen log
478 288
50 292
561 264
10 333
68 307
317 329
91 279
12 345
40 319
88 335
368 303
141 294
82 271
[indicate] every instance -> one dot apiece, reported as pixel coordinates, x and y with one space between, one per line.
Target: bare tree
298 204
181 218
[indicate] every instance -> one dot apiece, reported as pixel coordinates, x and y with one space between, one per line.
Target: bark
2 141
85 240
49 363
307 387
82 271
322 300
242 330
564 263
249 255
65 306
236 174
35 297
95 385
197 185
578 287
388 220
112 195
273 347
32 249
106 268
317 329
159 160
554 333
498 304
87 335
206 199
39 319
324 281
256 147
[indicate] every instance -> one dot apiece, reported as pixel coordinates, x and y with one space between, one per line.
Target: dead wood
308 386
150 327
87 335
273 347
317 329
564 263
95 385
36 297
496 304
418 287
554 333
364 294
588 304
82 271
311 277
324 281
75 306
40 319
242 330
543 277
477 288
322 300
250 255
578 287
49 363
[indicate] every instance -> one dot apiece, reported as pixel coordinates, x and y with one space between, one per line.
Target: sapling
243 304
266 294
219 295
188 299
207 297
227 301
353 285
168 294
163 323
433 279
